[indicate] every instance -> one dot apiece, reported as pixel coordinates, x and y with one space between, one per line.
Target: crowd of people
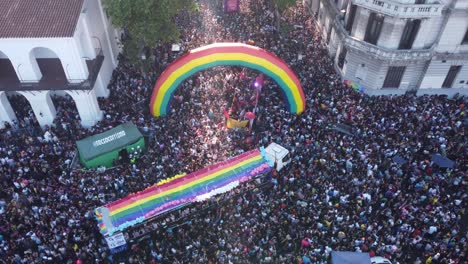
342 191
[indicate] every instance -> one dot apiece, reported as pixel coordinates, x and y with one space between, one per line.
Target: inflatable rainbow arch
180 190
219 54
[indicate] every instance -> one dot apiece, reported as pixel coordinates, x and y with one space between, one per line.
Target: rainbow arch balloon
222 54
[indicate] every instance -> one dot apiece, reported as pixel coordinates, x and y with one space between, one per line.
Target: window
409 34
394 76
465 38
451 75
374 26
342 57
352 15
7 71
379 3
361 72
52 70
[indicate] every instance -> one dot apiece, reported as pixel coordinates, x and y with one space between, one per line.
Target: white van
279 155
380 260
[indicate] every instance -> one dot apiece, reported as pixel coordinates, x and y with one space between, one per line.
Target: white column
42 106
334 42
73 64
106 30
87 35
360 23
395 36
387 39
6 112
315 5
88 107
26 68
100 87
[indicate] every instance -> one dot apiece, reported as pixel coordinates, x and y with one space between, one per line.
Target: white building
393 46
60 46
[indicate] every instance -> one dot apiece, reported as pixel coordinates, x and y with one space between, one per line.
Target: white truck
279 155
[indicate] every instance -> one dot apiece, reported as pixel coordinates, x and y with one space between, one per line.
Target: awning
399 160
442 161
111 140
348 257
343 129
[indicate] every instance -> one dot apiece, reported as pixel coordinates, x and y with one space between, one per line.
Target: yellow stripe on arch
227 57
188 185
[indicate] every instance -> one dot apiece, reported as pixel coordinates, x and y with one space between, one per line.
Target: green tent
102 149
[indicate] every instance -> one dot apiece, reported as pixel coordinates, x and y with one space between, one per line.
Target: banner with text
116 243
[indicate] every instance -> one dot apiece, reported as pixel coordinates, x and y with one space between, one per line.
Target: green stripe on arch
292 106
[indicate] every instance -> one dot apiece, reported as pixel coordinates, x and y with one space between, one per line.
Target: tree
146 22
280 7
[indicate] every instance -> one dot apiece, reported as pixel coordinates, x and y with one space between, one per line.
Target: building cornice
399 10
451 56
381 52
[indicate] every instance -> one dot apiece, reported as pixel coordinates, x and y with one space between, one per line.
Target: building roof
39 18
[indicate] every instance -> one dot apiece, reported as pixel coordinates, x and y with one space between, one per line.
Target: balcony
10 82
399 10
381 52
460 55
388 54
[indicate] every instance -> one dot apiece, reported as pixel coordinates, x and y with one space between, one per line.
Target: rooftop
39 18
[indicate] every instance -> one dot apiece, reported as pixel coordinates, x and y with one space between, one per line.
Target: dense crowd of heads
342 191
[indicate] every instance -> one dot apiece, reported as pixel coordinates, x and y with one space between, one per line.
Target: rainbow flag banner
180 190
357 87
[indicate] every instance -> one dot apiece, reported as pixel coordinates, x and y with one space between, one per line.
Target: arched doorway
67 118
50 67
25 117
8 77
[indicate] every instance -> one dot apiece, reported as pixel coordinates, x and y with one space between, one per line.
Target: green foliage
147 21
282 5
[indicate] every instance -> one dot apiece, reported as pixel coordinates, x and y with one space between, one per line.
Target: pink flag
250 115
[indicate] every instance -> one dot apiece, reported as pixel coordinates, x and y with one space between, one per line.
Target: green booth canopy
102 149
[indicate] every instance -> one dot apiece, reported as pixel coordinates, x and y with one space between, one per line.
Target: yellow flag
243 123
232 123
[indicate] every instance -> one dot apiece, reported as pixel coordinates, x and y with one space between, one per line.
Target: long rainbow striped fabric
171 194
220 54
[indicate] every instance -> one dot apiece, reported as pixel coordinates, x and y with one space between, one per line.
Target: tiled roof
39 18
